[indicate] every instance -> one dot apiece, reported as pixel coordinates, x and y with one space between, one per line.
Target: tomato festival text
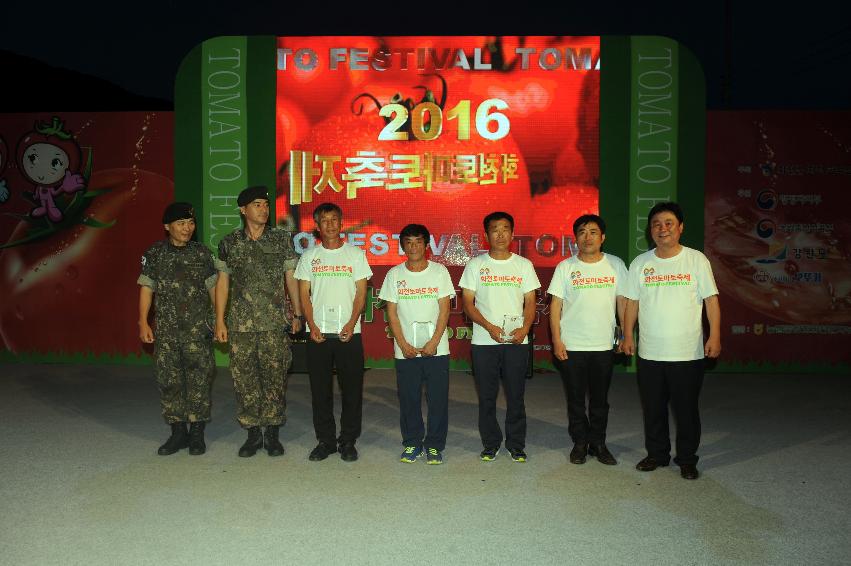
422 58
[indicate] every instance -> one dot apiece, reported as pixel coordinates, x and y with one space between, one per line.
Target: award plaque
421 332
510 323
618 338
331 322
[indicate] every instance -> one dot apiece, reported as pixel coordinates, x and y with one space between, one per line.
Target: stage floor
81 483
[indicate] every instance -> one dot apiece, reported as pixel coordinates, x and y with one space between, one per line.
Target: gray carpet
80 481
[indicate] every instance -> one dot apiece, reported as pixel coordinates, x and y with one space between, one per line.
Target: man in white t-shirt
499 298
417 294
332 284
668 289
587 289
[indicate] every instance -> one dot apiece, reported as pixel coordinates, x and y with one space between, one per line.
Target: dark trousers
347 357
411 374
184 373
259 362
677 383
587 374
505 362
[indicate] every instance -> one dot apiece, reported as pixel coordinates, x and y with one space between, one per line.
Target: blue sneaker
410 454
434 456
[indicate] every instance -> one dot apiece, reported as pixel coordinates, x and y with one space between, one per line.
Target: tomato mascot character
49 158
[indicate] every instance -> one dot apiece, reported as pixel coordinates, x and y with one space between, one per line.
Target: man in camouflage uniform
179 273
256 266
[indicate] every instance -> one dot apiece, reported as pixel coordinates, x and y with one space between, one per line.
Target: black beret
178 211
251 194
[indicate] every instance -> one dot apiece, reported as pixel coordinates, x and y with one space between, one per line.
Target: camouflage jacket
257 284
181 278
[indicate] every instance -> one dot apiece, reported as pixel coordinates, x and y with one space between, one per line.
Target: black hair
499 215
414 231
671 207
585 219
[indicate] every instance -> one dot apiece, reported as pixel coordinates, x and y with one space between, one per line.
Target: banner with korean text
778 238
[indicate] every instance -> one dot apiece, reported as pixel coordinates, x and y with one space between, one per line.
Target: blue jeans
410 376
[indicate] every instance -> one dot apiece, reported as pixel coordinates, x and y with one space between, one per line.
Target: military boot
270 440
178 439
253 443
197 446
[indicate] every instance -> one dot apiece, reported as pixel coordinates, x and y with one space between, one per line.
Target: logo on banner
776 253
762 277
758 329
765 228
766 200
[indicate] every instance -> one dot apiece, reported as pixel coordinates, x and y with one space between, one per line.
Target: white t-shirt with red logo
670 294
332 275
499 285
416 294
589 292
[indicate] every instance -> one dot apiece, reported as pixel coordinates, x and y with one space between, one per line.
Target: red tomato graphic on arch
75 291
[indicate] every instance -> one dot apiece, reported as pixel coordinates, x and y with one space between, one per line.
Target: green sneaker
489 454
434 456
410 454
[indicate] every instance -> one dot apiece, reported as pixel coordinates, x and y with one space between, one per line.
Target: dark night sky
754 54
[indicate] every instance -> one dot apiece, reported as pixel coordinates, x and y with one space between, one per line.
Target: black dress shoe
271 442
649 464
348 452
253 443
179 439
689 472
321 452
197 446
578 454
602 453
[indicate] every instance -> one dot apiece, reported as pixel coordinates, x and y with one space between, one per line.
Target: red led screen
439 131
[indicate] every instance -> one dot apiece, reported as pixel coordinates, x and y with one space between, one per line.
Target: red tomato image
545 105
554 213
317 90
551 135
579 163
77 287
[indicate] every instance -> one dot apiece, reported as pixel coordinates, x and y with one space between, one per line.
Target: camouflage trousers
259 362
184 373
